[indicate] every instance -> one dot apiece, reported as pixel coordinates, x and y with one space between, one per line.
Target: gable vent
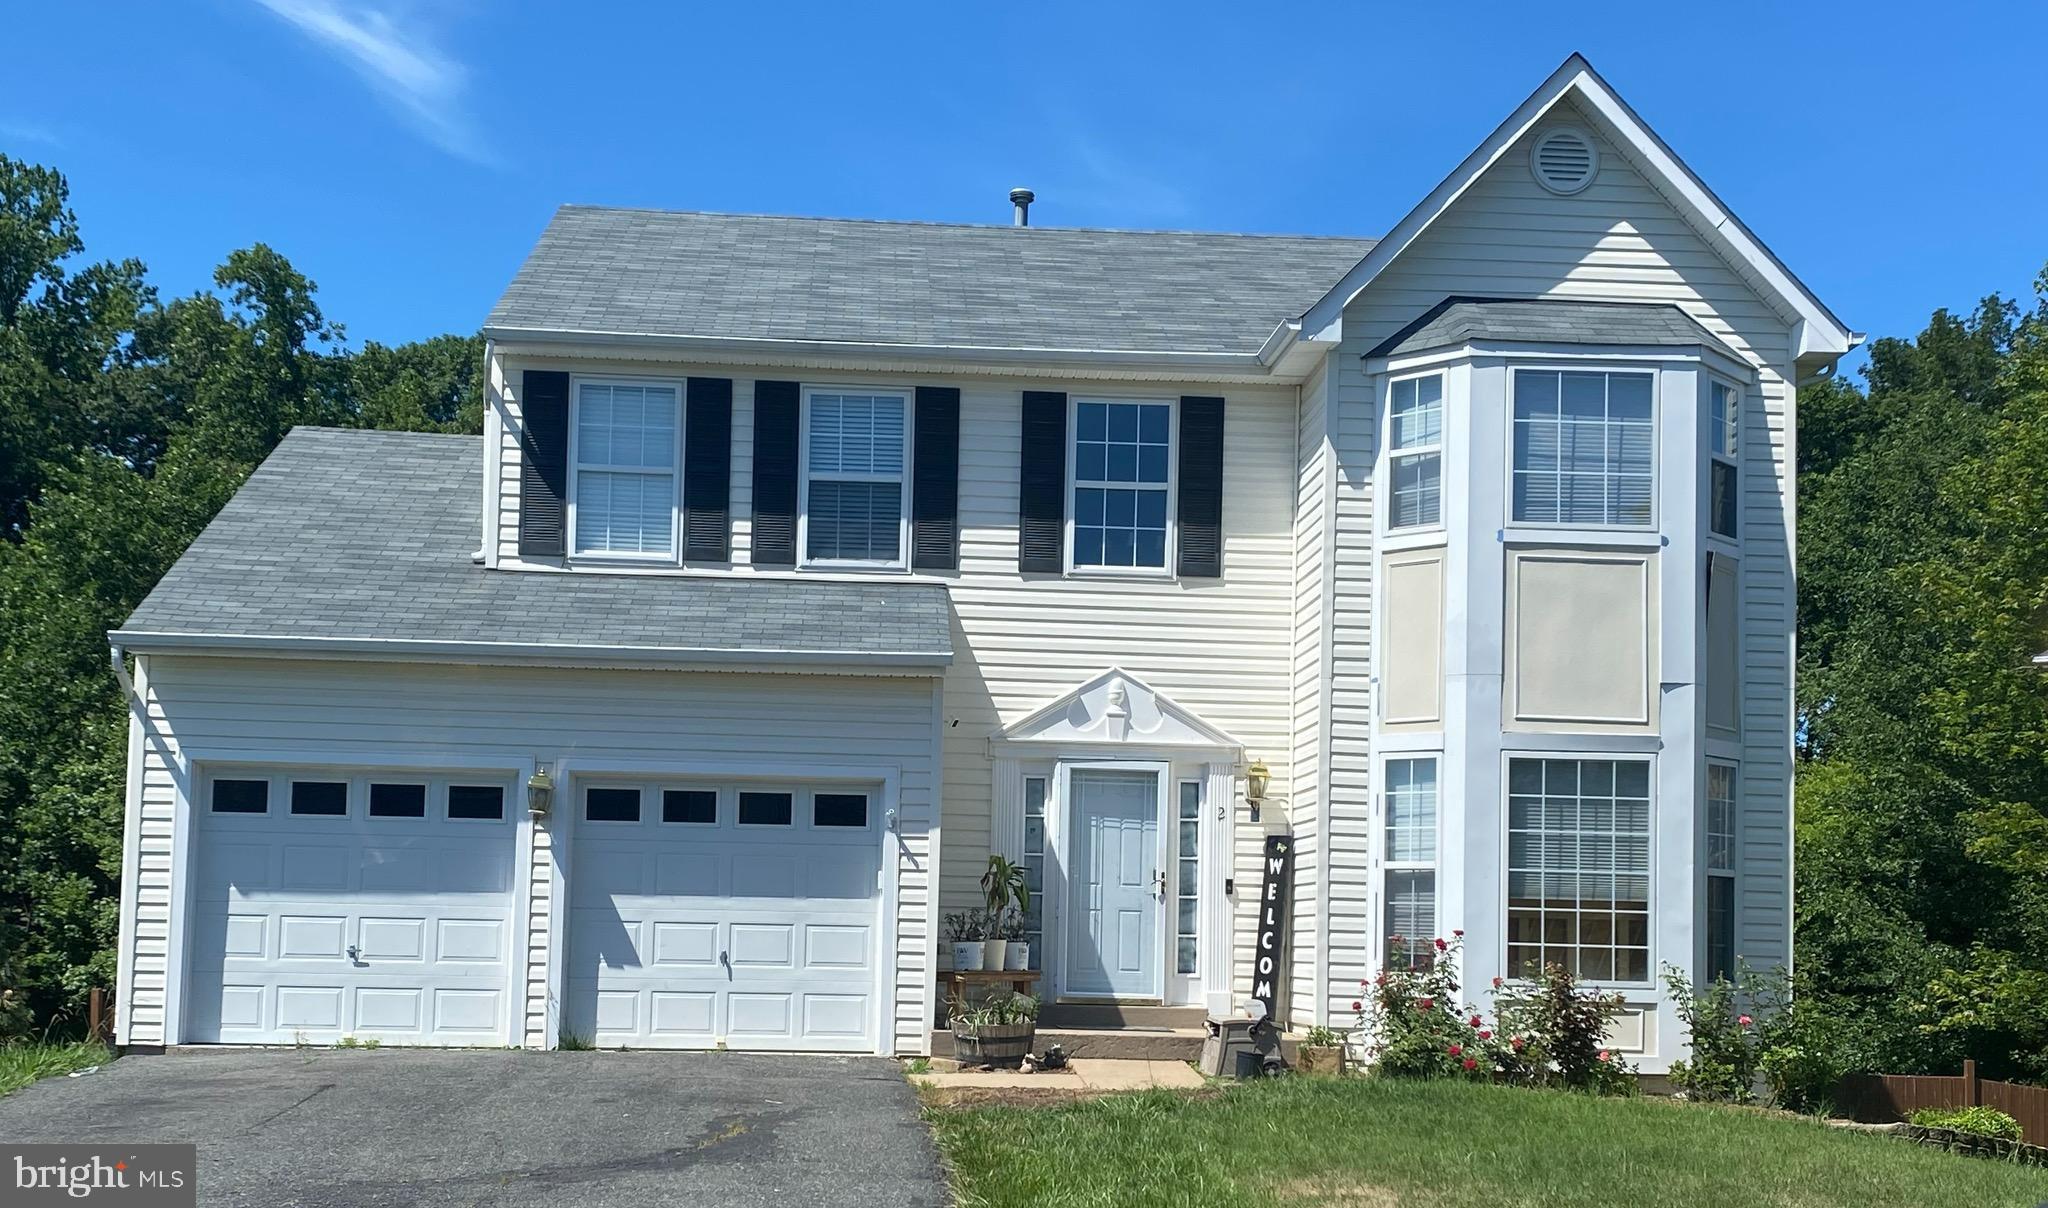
1564 161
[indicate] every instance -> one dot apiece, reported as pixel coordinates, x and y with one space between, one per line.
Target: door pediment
1117 709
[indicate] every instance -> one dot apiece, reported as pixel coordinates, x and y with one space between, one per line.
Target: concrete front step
1124 1044
1118 1015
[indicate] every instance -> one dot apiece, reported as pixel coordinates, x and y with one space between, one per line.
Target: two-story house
803 564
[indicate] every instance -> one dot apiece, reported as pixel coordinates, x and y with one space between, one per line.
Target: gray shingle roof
1456 321
749 277
350 538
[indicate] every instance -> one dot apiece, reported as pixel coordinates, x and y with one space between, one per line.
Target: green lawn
23 1062
1368 1143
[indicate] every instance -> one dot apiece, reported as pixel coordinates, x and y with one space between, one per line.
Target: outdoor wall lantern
1255 778
540 793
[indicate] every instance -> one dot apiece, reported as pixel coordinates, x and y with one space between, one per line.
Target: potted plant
1003 889
1016 950
963 931
997 1032
1321 1051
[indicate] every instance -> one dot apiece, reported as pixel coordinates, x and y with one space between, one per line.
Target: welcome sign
1268 951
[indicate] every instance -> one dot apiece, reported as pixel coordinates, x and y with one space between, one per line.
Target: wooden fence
1886 1098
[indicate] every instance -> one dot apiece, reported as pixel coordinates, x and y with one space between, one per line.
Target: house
804 564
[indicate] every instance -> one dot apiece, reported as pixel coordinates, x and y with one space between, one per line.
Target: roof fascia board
286 645
1819 331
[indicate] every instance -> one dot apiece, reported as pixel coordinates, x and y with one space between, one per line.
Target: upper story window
1121 480
1585 448
1724 477
853 483
1416 437
624 491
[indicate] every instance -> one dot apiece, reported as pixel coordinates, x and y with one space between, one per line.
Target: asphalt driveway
352 1129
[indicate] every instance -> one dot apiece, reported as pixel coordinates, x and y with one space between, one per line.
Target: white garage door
332 903
703 915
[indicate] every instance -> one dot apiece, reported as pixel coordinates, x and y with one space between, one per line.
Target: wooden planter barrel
1000 1044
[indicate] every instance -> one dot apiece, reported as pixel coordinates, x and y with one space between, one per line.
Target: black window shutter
1201 488
777 411
543 463
935 480
1042 484
707 471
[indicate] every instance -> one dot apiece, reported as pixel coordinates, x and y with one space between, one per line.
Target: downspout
118 657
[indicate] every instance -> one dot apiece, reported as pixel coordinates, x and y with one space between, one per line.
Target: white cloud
29 132
397 57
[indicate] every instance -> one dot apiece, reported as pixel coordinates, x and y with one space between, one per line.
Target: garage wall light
540 793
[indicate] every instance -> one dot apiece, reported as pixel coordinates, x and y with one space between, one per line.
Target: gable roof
357 543
680 276
1821 333
1456 321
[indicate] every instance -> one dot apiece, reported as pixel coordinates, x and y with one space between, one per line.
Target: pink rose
1604 1055
1456 1049
1471 1063
1744 1020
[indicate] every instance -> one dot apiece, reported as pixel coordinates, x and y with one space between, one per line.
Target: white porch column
1218 852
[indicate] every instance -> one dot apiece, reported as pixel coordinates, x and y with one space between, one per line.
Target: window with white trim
1584 448
1034 864
1122 455
1415 458
1720 872
854 481
1187 861
625 471
1410 860
1579 868
1724 476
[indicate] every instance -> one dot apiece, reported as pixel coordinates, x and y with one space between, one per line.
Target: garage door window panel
690 807
839 809
320 798
476 802
398 800
241 796
611 805
767 809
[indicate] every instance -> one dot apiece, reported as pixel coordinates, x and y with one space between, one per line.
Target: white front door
704 914
330 903
1115 887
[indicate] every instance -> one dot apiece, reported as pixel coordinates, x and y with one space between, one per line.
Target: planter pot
967 957
992 954
1001 1044
1321 1059
1017 955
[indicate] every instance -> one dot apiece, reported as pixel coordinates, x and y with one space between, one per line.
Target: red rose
1426 1004
1358 1006
1456 1049
1518 1042
1485 1035
1441 946
1496 983
1459 932
1475 1021
1471 1063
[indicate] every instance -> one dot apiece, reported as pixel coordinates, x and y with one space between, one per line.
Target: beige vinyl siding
1351 893
366 712
1621 240
1308 806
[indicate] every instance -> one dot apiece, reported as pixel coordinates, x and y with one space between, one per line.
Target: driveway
354 1129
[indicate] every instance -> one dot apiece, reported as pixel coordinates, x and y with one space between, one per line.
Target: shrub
1419 1029
1725 1052
1552 1033
1977 1121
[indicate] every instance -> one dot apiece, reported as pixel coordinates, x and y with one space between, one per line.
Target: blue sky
405 155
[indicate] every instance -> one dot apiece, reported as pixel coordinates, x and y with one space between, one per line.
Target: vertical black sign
1268 953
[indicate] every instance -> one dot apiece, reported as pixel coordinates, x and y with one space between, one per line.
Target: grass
1369 1143
25 1061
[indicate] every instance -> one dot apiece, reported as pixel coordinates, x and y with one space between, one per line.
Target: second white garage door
702 915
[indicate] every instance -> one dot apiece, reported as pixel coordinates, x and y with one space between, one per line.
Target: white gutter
289 645
1209 362
118 656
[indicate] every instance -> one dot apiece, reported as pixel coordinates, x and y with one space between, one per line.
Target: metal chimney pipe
1022 199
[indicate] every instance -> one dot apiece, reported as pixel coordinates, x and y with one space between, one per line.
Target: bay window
624 491
1584 448
1120 483
1415 438
1579 868
1720 863
853 483
1723 475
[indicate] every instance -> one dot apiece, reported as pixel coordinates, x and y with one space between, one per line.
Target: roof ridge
965 226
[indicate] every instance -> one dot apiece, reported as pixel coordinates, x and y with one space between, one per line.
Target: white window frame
1656 375
1435 449
1181 785
1732 458
1025 854
901 479
675 474
1725 874
1389 865
1165 571
1507 828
